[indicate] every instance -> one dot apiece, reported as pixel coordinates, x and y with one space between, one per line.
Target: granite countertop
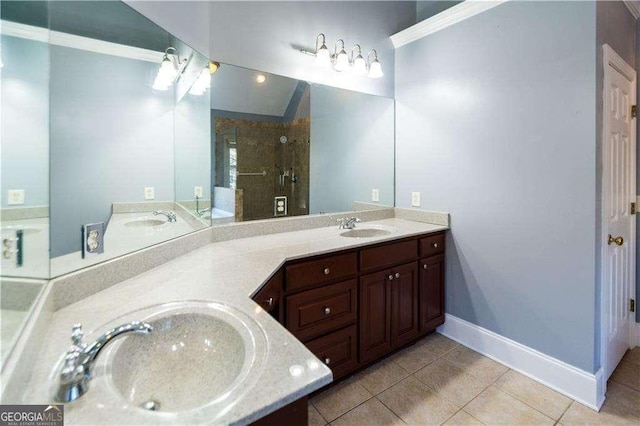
228 272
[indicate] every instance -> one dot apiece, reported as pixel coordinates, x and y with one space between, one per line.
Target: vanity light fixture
203 81
340 61
261 78
170 70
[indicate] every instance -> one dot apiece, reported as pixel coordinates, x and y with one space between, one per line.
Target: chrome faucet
80 358
201 213
348 222
169 214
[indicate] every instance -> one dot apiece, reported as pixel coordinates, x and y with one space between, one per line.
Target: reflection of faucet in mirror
199 212
170 215
80 358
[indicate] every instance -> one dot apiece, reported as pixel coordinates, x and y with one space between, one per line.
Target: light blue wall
352 149
638 170
266 35
111 135
496 124
24 126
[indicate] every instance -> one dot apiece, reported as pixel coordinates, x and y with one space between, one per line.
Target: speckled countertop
227 272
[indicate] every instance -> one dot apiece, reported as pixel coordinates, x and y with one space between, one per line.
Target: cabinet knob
397 275
390 277
327 310
425 266
435 245
326 271
327 361
269 302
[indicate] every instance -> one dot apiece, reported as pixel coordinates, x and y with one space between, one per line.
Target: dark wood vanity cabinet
354 307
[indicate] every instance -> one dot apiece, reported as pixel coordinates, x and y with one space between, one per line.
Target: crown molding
442 20
57 38
634 7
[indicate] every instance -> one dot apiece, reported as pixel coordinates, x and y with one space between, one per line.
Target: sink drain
150 405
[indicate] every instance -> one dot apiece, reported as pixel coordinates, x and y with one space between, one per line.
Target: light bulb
375 70
323 57
359 65
342 61
160 84
261 78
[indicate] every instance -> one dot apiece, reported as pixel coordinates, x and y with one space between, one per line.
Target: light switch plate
149 193
415 199
15 197
375 195
197 191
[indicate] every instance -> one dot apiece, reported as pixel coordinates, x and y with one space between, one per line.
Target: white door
618 254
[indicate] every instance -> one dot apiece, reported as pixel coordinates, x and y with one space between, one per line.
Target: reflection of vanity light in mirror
203 82
170 70
339 61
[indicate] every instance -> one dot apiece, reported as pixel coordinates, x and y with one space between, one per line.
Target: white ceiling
235 89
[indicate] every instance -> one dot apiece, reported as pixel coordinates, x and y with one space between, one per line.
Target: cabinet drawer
337 350
432 245
388 255
315 312
318 271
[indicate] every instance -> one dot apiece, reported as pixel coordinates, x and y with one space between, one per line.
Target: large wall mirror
284 147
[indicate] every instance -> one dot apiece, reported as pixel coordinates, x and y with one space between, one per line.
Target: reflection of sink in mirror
370 231
145 223
208 352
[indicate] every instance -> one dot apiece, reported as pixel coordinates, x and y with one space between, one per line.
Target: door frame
610 59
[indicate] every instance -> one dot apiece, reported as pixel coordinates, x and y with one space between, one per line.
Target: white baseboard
586 388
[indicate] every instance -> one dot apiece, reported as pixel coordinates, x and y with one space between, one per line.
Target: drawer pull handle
327 361
270 302
326 271
390 277
425 266
327 311
435 245
397 275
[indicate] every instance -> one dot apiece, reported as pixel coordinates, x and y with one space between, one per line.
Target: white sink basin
145 223
370 231
197 356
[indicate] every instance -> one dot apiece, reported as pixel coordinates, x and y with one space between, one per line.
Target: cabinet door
375 319
269 297
404 304
431 293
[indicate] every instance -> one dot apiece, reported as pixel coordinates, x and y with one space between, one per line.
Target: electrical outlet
93 239
375 195
15 197
415 199
149 193
197 191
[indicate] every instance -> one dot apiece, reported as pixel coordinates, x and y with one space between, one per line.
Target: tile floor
437 381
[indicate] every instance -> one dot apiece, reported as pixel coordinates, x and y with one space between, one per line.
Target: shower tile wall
259 149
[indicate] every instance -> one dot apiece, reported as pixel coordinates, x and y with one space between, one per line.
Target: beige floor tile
633 356
498 408
381 376
339 399
415 403
627 373
621 407
451 381
315 418
476 364
463 418
371 413
532 393
424 352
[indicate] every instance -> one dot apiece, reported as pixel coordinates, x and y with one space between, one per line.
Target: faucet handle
77 334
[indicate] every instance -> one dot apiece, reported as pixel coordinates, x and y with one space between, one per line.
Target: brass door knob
618 240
